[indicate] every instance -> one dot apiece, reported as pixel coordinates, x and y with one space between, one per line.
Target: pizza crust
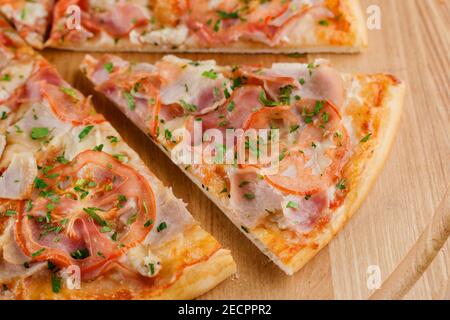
200 278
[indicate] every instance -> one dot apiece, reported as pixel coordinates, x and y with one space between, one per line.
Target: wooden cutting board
413 44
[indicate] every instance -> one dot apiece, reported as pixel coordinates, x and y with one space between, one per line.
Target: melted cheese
143 261
318 160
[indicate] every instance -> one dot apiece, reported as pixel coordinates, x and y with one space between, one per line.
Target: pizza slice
81 216
30 18
287 152
209 26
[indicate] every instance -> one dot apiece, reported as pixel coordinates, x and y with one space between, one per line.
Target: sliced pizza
30 18
209 26
81 216
319 140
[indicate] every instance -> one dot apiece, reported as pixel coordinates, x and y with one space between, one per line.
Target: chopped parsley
112 139
266 102
285 94
211 74
148 223
85 132
168 134
80 254
132 219
70 92
5 77
292 205
39 133
188 106
231 106
216 27
39 183
91 211
130 100
228 15
98 148
161 226
341 184
366 138
61 159
56 283
249 196
37 253
108 67
294 128
10 213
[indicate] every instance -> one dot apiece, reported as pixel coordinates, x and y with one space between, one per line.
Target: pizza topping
121 18
73 216
12 78
302 214
70 105
16 181
252 199
197 88
144 261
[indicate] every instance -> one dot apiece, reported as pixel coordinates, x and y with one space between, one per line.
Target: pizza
81 216
332 131
30 18
209 26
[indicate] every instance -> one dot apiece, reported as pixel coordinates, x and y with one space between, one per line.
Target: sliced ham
122 18
17 181
98 69
321 82
302 214
251 198
10 271
13 77
11 251
184 82
173 213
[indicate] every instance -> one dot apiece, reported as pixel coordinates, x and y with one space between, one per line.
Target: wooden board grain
413 44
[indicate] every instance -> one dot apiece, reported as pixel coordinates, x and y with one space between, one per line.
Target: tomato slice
313 157
296 174
87 213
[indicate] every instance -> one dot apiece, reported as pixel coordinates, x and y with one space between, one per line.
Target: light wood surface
413 44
